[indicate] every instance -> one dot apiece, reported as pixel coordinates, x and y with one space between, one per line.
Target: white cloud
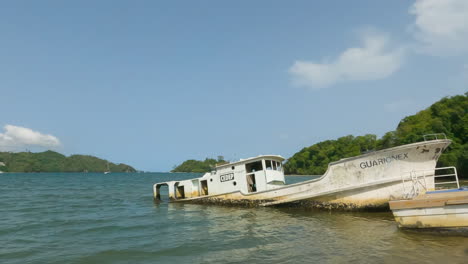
15 136
441 26
373 61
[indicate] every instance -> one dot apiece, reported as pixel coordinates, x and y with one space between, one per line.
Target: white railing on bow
434 136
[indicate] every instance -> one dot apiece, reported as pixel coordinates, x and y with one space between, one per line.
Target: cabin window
279 166
254 166
273 165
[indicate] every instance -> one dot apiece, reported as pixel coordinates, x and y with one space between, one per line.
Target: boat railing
434 136
420 181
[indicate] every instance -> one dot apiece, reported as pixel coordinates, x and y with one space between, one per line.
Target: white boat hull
448 216
436 209
363 182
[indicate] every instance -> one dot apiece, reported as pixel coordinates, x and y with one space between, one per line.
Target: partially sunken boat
367 181
430 204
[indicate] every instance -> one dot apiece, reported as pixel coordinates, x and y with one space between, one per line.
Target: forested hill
449 116
198 165
50 161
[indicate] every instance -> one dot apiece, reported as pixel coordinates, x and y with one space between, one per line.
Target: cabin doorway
251 184
204 187
162 193
179 191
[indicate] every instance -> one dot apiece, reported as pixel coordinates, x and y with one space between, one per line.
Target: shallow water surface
97 218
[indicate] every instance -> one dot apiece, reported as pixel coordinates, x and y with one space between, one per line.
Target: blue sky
153 83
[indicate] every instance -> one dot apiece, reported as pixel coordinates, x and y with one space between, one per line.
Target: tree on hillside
448 116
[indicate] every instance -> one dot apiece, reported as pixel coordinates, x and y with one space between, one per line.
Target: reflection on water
285 235
112 219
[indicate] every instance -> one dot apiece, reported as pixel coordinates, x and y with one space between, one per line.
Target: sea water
97 218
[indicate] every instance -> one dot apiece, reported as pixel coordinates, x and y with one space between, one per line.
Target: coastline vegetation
51 161
198 165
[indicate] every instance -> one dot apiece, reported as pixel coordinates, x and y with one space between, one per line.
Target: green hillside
50 161
198 165
449 116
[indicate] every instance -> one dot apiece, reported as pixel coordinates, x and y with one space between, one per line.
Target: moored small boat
443 208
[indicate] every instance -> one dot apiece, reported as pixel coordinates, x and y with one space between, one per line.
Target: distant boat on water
108 170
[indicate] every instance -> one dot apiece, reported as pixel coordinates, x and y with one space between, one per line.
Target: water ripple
96 218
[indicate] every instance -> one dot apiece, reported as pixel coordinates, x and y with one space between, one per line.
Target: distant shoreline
51 161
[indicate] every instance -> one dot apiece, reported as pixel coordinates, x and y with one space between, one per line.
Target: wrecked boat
367 181
430 204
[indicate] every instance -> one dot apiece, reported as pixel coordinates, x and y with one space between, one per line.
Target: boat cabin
250 175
